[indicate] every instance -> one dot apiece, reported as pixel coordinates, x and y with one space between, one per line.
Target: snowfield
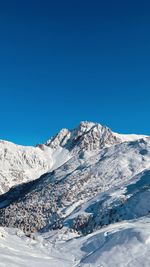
81 199
124 244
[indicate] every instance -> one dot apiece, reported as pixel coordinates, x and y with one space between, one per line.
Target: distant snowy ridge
129 137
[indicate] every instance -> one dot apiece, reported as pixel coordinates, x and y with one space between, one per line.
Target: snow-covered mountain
89 183
20 164
66 195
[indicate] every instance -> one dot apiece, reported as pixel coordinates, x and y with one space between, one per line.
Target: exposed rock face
88 136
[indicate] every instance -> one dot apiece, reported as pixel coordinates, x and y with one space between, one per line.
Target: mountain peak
86 125
86 136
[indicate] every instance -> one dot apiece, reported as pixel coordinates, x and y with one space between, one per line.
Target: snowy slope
20 164
17 250
124 244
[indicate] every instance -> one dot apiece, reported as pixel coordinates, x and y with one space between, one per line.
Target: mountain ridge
25 163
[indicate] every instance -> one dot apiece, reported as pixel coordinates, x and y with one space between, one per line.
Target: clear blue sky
66 61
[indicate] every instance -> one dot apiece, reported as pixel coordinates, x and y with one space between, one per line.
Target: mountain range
80 199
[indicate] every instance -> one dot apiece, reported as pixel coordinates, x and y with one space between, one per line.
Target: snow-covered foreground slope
17 250
124 244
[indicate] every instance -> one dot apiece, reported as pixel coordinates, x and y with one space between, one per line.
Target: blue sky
66 61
